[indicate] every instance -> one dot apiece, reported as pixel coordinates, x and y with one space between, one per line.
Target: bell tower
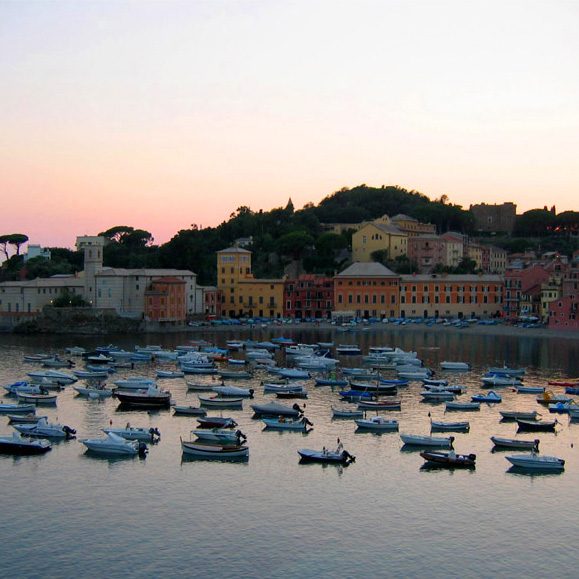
92 246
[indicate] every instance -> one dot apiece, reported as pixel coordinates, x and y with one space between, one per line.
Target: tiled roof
367 269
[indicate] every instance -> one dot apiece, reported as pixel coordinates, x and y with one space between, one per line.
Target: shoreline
498 330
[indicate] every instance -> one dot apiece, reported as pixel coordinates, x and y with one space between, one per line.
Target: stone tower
92 246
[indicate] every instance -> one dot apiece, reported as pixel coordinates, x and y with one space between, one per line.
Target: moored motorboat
490 398
449 459
549 398
61 377
331 382
377 424
214 451
216 422
234 391
219 402
275 409
459 366
17 408
135 433
189 411
379 405
115 445
435 441
537 462
283 423
170 374
338 456
530 389
562 407
346 413
134 383
23 418
150 398
17 444
515 443
521 414
45 429
31 398
93 392
437 426
234 375
506 371
437 395
536 425
221 435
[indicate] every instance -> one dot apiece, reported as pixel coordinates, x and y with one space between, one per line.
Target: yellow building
411 226
378 236
241 293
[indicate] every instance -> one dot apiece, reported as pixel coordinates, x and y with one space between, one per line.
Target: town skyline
180 112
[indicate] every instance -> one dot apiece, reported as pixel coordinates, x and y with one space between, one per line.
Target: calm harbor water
68 514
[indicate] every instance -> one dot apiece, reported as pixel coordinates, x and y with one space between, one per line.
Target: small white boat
338 456
506 371
134 383
495 380
221 435
23 418
530 389
18 445
200 386
519 414
54 375
437 395
211 451
490 398
189 411
346 413
293 373
462 405
94 393
283 388
24 387
46 429
234 391
377 423
515 443
461 366
38 357
170 374
535 461
434 441
283 423
44 399
348 350
17 408
75 351
91 375
115 445
135 433
235 375
218 402
437 426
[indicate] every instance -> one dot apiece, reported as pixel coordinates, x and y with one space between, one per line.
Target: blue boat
331 382
394 382
491 396
572 390
356 394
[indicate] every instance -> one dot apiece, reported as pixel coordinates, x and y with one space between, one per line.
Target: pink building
427 251
564 313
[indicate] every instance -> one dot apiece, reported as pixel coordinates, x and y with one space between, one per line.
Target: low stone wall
91 321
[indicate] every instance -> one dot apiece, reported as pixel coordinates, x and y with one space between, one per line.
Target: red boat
570 382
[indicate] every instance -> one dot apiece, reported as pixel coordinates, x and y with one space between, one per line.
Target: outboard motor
472 457
143 450
296 407
154 432
251 392
451 438
306 421
70 432
348 457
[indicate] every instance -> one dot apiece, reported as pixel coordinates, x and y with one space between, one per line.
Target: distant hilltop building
406 224
36 251
494 218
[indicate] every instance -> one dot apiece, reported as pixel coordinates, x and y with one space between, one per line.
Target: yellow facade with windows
378 237
242 294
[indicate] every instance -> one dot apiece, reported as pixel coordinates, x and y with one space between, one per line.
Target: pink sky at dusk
163 114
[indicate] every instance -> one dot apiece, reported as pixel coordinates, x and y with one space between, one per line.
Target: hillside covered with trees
284 236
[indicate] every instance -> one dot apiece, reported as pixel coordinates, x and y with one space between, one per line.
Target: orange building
165 300
366 289
446 295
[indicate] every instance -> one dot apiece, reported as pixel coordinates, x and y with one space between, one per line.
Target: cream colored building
30 296
378 236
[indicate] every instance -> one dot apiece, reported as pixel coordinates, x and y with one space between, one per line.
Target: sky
163 114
